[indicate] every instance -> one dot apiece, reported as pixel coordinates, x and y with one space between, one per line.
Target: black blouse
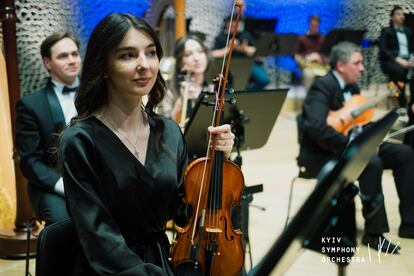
118 205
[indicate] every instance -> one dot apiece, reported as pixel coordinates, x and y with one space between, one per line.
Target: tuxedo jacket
39 119
318 141
388 43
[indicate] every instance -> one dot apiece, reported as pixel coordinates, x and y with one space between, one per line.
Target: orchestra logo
333 246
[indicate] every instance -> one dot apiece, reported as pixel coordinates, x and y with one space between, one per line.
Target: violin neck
217 158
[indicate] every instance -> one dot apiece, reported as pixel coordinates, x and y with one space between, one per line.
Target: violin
208 244
357 111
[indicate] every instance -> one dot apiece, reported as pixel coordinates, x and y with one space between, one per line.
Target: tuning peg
208 103
208 92
230 100
230 90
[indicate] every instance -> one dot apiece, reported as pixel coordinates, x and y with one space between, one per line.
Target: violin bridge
214 230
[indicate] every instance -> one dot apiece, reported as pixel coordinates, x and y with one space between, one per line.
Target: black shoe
380 242
406 231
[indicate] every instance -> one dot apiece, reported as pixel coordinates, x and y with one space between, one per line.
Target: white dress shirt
402 43
67 103
347 94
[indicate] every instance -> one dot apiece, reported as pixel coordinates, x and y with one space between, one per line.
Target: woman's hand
224 139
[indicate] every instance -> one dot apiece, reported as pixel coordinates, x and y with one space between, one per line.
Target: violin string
200 192
198 201
216 218
215 195
210 138
230 27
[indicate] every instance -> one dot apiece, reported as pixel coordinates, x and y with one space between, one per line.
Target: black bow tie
67 90
347 88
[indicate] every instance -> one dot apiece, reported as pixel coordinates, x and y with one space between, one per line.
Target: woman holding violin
208 244
122 163
320 142
190 65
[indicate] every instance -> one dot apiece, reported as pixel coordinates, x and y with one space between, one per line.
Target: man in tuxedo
319 142
395 49
40 116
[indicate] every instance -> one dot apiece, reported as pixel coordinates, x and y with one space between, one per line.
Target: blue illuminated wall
293 15
91 12
38 19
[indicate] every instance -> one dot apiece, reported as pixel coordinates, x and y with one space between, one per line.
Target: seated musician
190 65
308 56
395 48
243 47
320 142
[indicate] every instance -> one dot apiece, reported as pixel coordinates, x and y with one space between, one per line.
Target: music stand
337 35
252 118
261 108
314 215
409 21
255 25
240 69
271 44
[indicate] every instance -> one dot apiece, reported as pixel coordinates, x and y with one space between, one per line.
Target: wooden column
13 241
180 28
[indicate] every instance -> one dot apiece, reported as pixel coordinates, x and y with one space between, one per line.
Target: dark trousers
258 77
397 73
399 158
49 207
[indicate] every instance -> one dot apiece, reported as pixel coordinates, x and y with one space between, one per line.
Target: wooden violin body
221 247
208 244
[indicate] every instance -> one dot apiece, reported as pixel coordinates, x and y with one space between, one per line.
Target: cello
208 244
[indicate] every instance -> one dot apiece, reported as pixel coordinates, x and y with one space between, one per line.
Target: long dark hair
179 51
92 94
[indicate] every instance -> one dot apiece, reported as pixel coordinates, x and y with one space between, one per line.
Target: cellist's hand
224 140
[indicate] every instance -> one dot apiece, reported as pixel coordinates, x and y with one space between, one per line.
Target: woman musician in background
190 66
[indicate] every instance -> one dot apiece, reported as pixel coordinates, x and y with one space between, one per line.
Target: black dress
119 206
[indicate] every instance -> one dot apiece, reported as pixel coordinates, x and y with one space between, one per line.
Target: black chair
56 248
306 171
310 171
